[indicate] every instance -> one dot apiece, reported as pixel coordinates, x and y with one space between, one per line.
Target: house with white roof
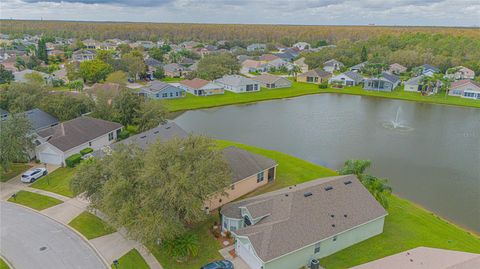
238 84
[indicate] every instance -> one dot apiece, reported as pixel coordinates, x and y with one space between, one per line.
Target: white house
466 89
349 78
287 228
332 65
302 45
59 142
201 87
459 73
238 84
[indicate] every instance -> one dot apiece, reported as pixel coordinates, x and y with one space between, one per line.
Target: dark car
224 264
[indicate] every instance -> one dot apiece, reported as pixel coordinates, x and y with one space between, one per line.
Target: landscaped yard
407 225
58 181
167 79
3 264
299 89
131 260
91 226
15 170
34 200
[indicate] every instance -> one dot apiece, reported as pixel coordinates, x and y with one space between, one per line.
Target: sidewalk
110 247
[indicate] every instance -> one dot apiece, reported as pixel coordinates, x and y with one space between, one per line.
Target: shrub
183 247
216 233
123 134
323 85
86 151
73 160
228 234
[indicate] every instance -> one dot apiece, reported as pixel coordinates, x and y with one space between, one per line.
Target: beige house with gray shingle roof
289 227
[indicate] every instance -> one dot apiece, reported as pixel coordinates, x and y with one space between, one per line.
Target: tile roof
463 82
78 131
316 73
430 67
295 220
195 83
267 78
235 80
390 77
268 57
332 62
425 257
354 75
156 86
244 163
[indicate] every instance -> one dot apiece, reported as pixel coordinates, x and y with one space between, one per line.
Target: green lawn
15 170
34 200
3 264
91 226
167 79
299 89
58 181
132 260
406 227
208 247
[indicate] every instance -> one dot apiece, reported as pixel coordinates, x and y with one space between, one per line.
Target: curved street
31 240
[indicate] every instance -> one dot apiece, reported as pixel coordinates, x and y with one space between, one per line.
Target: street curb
70 228
7 262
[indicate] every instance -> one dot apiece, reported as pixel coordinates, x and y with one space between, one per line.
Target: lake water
433 159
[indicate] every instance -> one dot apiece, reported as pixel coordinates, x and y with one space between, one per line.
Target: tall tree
134 64
150 115
42 50
94 70
15 140
127 105
6 76
215 66
65 107
364 54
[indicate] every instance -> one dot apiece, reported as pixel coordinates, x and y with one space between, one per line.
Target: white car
33 174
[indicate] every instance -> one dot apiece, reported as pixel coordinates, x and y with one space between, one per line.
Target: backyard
57 181
407 225
34 200
299 89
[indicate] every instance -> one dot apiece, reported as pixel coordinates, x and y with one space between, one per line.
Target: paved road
31 240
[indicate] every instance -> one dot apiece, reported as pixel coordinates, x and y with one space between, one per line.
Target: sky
299 12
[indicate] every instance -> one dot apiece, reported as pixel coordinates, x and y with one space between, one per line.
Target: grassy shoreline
191 102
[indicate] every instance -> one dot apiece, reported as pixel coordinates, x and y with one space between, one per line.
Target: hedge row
73 160
86 151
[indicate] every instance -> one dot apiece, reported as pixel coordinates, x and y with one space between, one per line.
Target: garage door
247 255
50 158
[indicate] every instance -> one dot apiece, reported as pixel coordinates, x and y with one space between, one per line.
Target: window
317 248
260 177
457 92
469 94
164 95
90 143
177 93
171 94
225 223
233 228
335 238
110 136
157 95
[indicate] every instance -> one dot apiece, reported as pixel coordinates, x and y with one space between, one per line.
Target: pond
429 153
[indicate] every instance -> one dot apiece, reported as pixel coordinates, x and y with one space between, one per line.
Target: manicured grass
91 226
208 249
299 89
407 226
58 182
14 170
3 264
34 200
132 260
166 79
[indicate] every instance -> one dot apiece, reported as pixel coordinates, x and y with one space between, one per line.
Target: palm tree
182 247
294 71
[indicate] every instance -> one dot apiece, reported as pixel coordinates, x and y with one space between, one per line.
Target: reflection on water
436 163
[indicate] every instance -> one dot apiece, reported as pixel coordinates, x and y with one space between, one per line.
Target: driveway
31 240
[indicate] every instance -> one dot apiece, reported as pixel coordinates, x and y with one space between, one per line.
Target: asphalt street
30 240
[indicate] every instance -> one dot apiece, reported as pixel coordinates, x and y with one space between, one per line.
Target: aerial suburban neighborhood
267 145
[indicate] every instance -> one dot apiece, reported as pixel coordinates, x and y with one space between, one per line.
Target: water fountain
397 124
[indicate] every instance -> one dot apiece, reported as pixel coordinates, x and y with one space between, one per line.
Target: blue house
161 90
385 82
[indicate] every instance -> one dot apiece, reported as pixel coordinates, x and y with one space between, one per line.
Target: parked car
223 264
33 174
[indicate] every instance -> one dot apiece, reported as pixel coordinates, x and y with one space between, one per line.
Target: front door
271 174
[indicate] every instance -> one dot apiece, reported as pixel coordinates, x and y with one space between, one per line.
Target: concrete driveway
31 240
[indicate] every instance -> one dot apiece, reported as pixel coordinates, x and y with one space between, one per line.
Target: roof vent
345 215
168 127
333 225
290 187
307 194
286 194
347 182
328 188
156 132
142 137
332 216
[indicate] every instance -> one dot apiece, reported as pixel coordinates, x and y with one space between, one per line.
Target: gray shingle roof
78 131
153 62
354 75
390 77
295 221
268 78
244 163
316 73
40 119
162 132
156 86
430 67
235 80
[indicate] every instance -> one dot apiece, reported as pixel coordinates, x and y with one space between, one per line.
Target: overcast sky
316 12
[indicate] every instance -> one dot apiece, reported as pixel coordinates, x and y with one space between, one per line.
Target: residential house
426 257
302 45
189 45
301 63
201 87
163 132
273 82
256 47
287 228
315 76
22 76
175 70
161 90
459 73
38 119
83 55
91 44
428 70
279 63
59 142
397 69
288 54
416 84
242 58
358 67
238 84
332 65
465 88
249 172
280 47
268 57
152 66
61 74
248 66
385 82
349 78
108 90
